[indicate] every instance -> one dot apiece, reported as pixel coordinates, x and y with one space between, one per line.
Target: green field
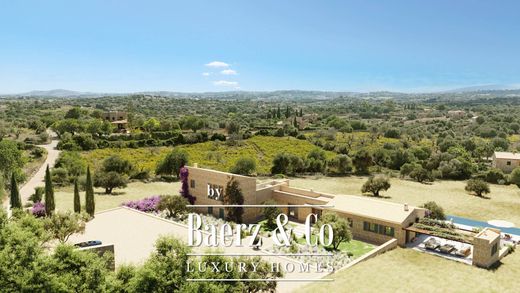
504 203
214 155
406 270
135 190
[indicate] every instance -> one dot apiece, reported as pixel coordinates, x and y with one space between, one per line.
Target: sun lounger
447 248
431 244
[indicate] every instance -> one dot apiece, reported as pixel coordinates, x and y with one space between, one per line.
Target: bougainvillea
38 210
147 205
185 190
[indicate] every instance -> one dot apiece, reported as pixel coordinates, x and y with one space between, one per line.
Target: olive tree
340 228
478 187
375 185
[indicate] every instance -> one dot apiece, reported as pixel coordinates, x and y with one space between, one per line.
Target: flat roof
220 172
371 208
134 234
488 234
507 155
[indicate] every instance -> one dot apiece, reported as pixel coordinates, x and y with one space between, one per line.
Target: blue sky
124 46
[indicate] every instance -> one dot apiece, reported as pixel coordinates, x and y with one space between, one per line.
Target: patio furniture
446 248
463 252
431 244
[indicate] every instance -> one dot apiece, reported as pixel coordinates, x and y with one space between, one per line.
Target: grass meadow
64 197
407 270
504 202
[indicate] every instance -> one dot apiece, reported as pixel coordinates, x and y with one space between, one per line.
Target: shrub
244 166
434 211
60 176
494 176
37 196
175 205
514 177
147 205
270 213
38 210
72 162
172 163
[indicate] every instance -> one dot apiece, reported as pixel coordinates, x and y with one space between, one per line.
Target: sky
196 46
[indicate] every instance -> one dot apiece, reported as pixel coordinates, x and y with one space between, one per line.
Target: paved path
39 177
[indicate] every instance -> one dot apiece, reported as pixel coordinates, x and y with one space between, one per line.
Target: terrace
453 250
467 245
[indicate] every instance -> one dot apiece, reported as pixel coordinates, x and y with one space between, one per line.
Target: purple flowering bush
185 190
38 209
147 205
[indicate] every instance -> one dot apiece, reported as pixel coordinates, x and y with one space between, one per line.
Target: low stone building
456 114
371 220
505 161
118 118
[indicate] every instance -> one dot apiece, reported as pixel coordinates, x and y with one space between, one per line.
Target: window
389 231
372 227
508 163
210 210
379 229
350 222
192 183
494 249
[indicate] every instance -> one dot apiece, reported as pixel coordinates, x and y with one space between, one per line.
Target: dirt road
38 178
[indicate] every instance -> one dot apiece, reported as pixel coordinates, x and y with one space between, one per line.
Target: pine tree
287 112
90 205
301 112
49 193
77 203
278 113
295 123
16 202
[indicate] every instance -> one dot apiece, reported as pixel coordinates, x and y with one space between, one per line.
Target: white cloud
228 72
217 64
206 74
225 83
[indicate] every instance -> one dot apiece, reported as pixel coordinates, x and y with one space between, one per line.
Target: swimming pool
474 223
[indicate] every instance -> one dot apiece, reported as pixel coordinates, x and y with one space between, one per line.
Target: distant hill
486 88
56 93
466 93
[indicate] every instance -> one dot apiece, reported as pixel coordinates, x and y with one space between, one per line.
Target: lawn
406 270
504 203
356 247
135 190
214 155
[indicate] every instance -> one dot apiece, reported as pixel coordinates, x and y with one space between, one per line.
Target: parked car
88 243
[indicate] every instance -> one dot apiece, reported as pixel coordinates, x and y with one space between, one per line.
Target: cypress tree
49 193
16 201
77 203
2 186
90 205
233 196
